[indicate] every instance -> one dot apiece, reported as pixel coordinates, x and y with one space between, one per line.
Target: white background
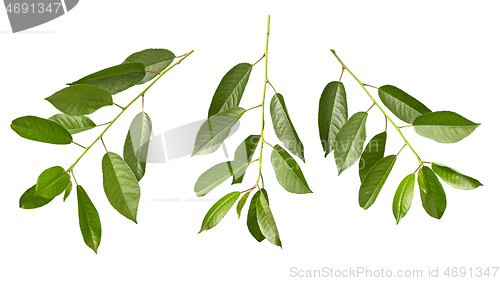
446 54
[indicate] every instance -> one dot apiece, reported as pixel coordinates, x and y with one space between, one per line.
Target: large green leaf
116 78
374 181
52 182
332 113
135 150
31 201
455 178
216 175
244 153
349 141
288 172
403 197
241 203
374 151
266 222
90 224
74 124
230 89
215 130
120 185
155 60
283 127
80 99
252 223
219 210
444 126
404 106
431 193
39 129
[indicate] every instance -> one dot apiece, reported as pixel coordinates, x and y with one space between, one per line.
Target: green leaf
455 178
288 172
431 193
90 224
241 203
215 130
120 185
444 126
244 153
52 182
42 130
74 124
216 175
252 223
283 127
135 150
116 78
67 191
155 60
374 151
219 210
266 221
230 89
403 197
404 106
31 201
80 99
349 141
374 180
332 113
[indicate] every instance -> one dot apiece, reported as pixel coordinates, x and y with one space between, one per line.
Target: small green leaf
42 130
216 175
349 141
404 106
135 150
374 151
74 124
266 221
241 203
444 126
120 185
31 201
244 153
116 78
288 172
52 182
283 127
332 113
90 224
252 223
80 99
215 130
67 191
230 89
403 197
219 210
431 193
374 181
455 178
155 60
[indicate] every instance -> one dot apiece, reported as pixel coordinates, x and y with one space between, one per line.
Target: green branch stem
125 108
375 102
266 81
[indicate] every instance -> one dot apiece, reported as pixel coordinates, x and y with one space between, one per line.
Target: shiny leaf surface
403 197
90 224
80 99
288 172
332 114
31 201
42 130
431 193
444 126
252 223
74 124
349 141
241 203
266 221
375 180
67 191
404 106
52 182
455 178
219 210
374 151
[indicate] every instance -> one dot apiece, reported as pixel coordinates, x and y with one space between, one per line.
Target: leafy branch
224 112
346 136
121 176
